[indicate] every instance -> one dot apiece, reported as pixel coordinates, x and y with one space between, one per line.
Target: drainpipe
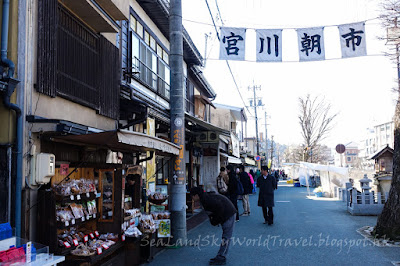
4 39
12 83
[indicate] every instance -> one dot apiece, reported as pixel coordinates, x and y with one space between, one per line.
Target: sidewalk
305 232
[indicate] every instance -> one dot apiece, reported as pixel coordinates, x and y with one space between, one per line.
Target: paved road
305 232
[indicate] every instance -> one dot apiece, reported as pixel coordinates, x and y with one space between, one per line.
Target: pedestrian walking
252 177
267 185
276 174
233 188
221 211
247 189
222 182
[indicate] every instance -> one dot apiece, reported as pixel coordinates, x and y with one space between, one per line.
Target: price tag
123 237
66 223
105 246
75 242
99 251
86 238
91 235
96 233
71 197
73 221
94 216
87 195
83 218
66 244
78 197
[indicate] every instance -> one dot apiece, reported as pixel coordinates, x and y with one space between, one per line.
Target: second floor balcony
147 77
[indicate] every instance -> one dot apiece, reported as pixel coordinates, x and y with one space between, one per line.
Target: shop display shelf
93 259
76 197
77 222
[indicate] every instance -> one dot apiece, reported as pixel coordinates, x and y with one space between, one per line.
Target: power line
281 27
219 12
293 61
227 63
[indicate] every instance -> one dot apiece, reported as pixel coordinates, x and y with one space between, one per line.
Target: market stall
99 197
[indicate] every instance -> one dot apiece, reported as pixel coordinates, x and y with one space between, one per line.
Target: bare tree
388 223
315 121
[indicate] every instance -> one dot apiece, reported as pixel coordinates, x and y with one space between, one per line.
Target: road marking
283 201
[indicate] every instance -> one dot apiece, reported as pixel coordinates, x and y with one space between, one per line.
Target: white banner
311 44
269 45
352 39
232 43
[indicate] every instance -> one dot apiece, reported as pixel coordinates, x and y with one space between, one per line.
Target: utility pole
256 104
178 181
272 150
266 138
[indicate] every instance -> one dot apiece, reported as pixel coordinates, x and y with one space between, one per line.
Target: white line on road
283 201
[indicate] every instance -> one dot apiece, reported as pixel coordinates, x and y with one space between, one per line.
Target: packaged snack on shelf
161 215
77 210
133 231
109 236
63 215
157 196
147 224
133 212
74 184
82 250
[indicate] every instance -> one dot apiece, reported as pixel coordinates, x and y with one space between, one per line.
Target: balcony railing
150 79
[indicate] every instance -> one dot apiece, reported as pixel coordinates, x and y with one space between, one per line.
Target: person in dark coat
232 188
276 173
221 211
267 185
248 189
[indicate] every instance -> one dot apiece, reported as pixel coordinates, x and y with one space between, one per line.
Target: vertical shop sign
151 164
179 175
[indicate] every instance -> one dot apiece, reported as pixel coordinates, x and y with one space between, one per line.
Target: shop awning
206 126
249 161
231 159
121 140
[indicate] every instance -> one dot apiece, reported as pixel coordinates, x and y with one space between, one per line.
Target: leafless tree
388 223
315 119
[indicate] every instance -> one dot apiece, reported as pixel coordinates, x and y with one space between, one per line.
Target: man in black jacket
267 185
221 211
248 188
232 188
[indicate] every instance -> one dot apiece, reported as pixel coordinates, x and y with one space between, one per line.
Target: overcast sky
359 89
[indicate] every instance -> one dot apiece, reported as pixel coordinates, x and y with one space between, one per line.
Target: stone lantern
364 183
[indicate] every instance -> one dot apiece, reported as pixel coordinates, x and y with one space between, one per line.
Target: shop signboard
235 146
164 228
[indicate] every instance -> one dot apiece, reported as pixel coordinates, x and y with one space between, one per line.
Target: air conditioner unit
213 136
202 137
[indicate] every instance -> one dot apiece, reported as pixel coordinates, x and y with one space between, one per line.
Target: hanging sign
269 45
232 43
311 44
352 40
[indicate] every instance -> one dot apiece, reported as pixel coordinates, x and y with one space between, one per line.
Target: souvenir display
147 224
133 231
161 215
